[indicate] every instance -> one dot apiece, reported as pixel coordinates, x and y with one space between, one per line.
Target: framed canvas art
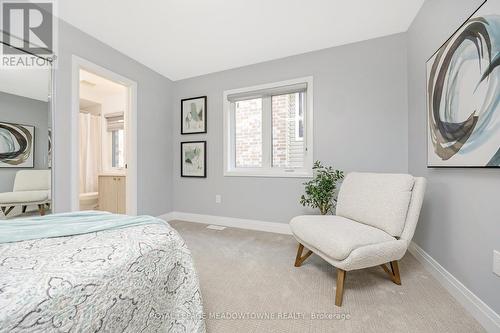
463 94
49 157
17 145
194 159
194 115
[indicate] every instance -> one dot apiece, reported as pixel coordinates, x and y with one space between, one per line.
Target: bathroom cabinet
112 195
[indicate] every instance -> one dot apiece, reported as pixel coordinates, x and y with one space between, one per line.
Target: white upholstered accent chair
374 224
31 187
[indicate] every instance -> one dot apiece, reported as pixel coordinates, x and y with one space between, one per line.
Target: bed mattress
136 279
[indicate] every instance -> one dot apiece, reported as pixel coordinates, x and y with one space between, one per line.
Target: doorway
104 123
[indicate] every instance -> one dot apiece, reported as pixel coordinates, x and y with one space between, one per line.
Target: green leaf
320 191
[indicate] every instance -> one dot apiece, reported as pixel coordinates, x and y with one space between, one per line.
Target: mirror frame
52 112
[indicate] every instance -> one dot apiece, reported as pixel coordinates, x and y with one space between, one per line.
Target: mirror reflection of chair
31 188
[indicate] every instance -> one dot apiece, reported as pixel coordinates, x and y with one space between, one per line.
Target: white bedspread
137 279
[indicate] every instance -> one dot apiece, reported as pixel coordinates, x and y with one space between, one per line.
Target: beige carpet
249 274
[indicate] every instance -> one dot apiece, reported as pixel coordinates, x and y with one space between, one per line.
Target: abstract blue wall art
463 94
17 144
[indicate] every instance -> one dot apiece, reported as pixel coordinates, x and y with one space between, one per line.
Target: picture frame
194 159
460 99
17 145
194 115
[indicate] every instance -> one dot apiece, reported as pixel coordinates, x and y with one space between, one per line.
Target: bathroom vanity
112 193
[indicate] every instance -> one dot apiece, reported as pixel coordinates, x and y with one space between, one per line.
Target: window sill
268 173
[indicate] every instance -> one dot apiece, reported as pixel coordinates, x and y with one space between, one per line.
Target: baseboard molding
488 318
279 228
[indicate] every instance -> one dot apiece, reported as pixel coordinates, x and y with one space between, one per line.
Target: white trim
233 222
297 120
228 155
52 105
488 318
267 137
273 173
131 114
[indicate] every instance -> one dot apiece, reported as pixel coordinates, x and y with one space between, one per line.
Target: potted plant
320 191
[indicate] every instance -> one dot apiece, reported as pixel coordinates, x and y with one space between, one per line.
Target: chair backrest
390 202
32 180
417 198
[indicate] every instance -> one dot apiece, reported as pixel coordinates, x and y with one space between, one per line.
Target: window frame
230 170
297 120
112 148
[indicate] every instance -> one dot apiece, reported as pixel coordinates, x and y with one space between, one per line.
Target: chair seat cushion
23 197
336 236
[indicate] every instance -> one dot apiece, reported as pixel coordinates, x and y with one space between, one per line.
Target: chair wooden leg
299 259
41 209
339 293
24 209
393 272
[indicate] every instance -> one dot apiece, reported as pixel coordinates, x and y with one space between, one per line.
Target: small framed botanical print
194 159
194 115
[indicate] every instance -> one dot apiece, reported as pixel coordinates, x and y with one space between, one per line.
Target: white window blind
114 121
261 93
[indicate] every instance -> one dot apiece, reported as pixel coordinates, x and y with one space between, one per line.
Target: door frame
79 63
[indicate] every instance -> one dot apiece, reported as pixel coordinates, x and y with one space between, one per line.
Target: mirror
25 142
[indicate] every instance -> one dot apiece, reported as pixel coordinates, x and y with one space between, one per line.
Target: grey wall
25 111
460 221
360 117
154 118
362 93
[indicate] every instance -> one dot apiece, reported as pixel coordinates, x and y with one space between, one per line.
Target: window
117 160
299 119
248 133
268 130
115 126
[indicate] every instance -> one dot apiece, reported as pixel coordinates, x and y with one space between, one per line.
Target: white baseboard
280 228
488 318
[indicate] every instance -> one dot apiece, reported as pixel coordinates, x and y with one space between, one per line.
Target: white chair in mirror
376 218
31 188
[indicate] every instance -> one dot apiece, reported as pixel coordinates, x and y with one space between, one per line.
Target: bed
131 277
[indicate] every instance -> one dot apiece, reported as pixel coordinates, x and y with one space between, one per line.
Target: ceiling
96 88
30 83
182 39
85 104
